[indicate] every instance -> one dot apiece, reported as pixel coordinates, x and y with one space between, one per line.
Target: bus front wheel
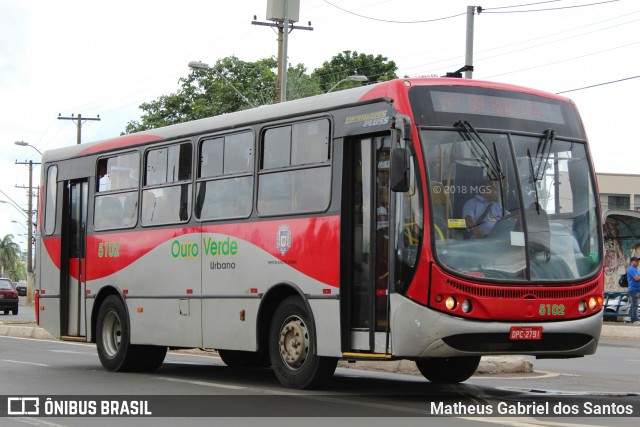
115 351
292 348
448 369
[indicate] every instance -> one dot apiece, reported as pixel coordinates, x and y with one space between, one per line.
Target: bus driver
483 210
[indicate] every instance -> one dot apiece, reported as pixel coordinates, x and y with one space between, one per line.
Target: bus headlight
582 306
592 303
466 306
451 303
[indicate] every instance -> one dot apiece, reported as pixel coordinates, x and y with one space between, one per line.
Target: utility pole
78 121
283 13
468 57
31 164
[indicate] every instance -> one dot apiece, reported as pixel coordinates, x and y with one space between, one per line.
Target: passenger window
166 197
50 204
118 172
291 189
227 164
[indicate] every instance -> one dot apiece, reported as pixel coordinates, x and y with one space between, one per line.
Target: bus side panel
160 281
230 323
49 284
326 313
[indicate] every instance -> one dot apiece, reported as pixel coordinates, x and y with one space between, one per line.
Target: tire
447 370
14 311
115 351
244 359
292 348
6 312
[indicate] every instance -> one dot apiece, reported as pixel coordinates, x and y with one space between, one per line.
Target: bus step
367 356
73 338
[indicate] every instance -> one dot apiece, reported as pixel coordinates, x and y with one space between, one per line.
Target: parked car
8 297
22 289
617 306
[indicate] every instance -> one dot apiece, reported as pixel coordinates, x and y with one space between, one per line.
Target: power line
562 60
521 5
599 84
553 8
391 21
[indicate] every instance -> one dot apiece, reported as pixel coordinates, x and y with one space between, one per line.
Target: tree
348 63
9 255
204 93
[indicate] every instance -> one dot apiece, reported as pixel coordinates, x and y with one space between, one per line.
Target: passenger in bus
483 210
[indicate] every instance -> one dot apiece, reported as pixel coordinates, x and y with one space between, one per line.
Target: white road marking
545 374
25 363
37 422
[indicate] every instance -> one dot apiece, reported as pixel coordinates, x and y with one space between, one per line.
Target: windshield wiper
543 152
480 150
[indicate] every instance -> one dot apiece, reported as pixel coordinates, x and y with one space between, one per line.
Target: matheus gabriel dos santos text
532 408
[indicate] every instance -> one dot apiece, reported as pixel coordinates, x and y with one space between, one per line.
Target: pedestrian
633 277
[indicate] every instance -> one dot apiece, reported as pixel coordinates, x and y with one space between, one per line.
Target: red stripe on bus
309 245
120 142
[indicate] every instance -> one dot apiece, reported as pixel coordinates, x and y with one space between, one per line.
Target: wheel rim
111 333
293 342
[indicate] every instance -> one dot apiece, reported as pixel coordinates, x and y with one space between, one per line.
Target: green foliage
205 93
348 63
9 255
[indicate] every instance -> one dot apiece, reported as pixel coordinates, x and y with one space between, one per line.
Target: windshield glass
511 207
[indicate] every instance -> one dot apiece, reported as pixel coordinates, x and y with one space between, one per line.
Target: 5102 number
551 310
109 250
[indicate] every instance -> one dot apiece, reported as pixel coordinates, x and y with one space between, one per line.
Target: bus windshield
511 206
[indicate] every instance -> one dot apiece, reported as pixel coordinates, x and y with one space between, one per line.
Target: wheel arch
269 302
105 292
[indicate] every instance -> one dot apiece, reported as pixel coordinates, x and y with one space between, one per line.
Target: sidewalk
489 364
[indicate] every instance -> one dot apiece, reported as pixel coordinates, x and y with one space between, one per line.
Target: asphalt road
254 397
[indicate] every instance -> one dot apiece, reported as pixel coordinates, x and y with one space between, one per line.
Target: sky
106 58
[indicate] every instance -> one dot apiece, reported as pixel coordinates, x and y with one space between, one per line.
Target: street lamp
24 144
31 164
354 78
197 65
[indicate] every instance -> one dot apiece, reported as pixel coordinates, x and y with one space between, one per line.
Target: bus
435 220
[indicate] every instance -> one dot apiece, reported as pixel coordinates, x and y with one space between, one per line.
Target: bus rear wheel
445 370
244 359
115 351
292 348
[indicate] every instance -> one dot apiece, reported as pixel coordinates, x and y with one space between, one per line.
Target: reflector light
140 309
125 291
326 291
438 298
42 308
189 291
451 303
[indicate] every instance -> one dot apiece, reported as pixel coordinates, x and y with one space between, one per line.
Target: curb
25 332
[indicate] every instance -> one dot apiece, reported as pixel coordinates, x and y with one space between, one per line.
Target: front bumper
422 332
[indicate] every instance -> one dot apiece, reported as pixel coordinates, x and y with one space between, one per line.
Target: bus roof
378 91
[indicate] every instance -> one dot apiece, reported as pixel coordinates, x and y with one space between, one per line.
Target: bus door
76 194
366 219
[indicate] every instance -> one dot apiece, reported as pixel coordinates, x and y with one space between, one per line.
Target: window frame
224 177
117 192
45 229
328 163
146 188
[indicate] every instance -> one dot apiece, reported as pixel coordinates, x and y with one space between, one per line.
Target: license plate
525 333
1 296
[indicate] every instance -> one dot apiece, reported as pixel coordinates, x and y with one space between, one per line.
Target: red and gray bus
333 227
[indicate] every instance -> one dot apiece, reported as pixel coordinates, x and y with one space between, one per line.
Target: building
619 191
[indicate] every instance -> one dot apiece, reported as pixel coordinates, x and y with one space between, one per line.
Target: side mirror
399 170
